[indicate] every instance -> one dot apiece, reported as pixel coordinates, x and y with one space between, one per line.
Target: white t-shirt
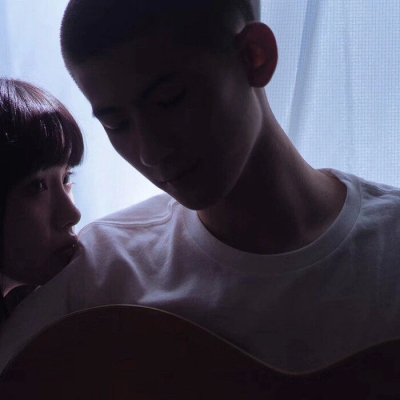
297 311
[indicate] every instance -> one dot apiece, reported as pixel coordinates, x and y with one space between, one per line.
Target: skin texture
207 136
39 219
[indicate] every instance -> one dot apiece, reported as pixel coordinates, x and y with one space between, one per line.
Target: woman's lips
68 248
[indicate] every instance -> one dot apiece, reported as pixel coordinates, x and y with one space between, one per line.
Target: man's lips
177 177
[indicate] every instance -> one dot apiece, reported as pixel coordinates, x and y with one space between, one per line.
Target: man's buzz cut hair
91 27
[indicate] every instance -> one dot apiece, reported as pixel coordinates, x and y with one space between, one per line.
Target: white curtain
336 90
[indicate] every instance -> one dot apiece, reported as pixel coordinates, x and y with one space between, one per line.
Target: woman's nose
68 214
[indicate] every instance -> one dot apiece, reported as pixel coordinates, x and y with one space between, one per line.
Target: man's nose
152 151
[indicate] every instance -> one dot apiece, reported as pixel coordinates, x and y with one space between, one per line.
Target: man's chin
199 202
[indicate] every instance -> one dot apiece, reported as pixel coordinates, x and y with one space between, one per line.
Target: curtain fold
5 64
302 69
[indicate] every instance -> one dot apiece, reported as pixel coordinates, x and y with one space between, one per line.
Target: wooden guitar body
134 352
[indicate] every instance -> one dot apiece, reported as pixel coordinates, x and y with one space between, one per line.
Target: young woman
40 143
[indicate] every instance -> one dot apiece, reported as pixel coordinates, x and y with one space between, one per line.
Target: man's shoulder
369 190
377 204
154 211
379 194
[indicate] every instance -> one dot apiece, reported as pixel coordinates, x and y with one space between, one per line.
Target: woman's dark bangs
37 131
55 139
74 140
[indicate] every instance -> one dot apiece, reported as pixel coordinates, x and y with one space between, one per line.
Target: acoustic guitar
133 352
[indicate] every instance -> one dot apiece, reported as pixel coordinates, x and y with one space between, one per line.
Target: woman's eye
67 178
173 101
67 182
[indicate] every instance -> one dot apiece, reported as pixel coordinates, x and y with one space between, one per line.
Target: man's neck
280 203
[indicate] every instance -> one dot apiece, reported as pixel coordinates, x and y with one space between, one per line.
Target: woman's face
38 226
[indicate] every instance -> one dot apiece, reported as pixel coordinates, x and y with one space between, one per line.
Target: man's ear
258 52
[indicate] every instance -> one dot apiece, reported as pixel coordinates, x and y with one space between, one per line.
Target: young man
295 265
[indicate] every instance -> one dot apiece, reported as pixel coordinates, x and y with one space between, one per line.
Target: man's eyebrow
153 85
170 76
